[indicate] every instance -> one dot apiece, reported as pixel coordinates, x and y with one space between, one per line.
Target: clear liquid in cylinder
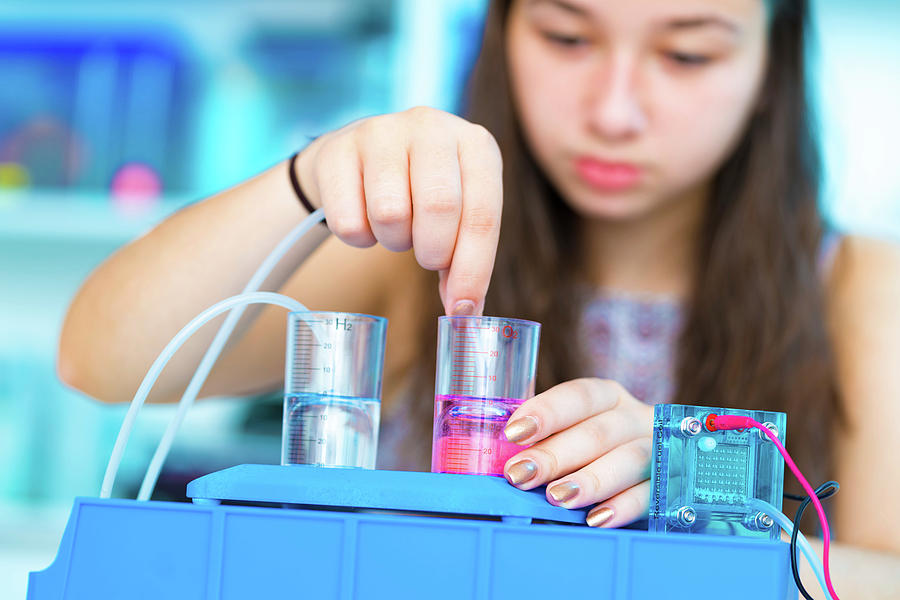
330 431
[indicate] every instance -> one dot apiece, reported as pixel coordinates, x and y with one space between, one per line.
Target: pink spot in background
135 187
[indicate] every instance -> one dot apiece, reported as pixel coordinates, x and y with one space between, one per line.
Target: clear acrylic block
701 480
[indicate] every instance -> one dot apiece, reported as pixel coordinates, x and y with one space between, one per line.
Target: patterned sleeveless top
632 339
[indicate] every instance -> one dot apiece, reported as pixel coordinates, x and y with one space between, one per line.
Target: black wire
796 497
826 490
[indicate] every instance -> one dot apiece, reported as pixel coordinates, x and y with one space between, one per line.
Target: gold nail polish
464 308
521 471
599 516
521 429
563 492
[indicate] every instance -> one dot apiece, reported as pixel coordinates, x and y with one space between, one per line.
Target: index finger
560 407
479 228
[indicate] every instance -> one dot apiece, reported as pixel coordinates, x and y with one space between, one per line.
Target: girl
660 220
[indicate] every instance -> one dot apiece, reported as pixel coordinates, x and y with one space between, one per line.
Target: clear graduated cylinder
485 370
332 398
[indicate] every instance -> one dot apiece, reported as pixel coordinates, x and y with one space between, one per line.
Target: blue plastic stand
325 535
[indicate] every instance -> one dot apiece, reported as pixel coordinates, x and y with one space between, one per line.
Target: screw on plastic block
771 427
686 516
759 522
691 426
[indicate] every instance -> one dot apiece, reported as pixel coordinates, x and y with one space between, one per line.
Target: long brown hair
754 331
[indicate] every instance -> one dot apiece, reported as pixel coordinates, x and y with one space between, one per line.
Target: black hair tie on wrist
295 183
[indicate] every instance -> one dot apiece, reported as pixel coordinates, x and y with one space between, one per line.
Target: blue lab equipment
298 532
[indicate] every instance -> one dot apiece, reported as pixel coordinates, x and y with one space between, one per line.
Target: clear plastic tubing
112 468
785 523
291 240
485 371
332 396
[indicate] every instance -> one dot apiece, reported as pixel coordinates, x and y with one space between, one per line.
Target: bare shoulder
864 282
863 297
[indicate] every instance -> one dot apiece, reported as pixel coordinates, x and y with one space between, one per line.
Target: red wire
736 422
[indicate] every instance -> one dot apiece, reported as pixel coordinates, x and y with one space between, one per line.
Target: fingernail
521 471
464 308
563 492
598 516
521 429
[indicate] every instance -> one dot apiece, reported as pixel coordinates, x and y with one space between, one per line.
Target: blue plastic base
389 490
130 549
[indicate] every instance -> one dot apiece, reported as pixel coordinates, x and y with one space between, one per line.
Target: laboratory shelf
313 539
54 218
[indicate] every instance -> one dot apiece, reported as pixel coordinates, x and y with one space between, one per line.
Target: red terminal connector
715 422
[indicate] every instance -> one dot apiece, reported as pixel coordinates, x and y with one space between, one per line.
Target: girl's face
630 104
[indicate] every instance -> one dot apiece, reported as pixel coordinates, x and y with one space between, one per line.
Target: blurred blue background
114 114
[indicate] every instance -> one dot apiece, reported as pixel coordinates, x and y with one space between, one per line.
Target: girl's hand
421 179
592 444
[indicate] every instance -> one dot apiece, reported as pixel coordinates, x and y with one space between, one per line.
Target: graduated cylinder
485 370
332 386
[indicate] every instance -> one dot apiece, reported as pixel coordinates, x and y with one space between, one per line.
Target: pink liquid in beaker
468 435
